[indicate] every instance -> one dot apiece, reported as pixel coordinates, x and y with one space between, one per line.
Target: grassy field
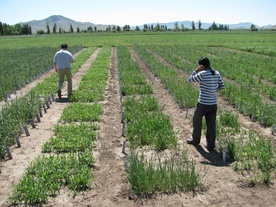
158 162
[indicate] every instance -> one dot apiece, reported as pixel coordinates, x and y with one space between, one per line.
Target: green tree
71 29
7 29
126 28
157 27
78 30
108 29
90 29
118 29
213 26
30 30
41 31
199 24
25 29
16 29
55 28
95 29
253 28
176 27
145 27
47 28
113 28
1 29
193 25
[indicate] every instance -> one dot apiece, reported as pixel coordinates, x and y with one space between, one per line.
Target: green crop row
14 116
93 83
47 174
251 154
148 126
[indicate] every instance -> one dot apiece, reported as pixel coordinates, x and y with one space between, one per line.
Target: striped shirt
63 58
209 85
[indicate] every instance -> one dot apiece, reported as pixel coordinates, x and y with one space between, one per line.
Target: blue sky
138 12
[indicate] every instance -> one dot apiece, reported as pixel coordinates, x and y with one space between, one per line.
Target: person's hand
200 68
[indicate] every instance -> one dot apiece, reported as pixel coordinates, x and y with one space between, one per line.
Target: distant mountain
268 27
65 23
62 22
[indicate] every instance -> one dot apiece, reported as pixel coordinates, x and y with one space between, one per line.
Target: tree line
25 29
16 29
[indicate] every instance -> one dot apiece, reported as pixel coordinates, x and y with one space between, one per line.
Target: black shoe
59 93
191 141
209 149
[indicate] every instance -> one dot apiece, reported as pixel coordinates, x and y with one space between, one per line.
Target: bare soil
224 186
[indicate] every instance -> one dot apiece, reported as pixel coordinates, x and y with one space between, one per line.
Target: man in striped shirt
62 63
210 82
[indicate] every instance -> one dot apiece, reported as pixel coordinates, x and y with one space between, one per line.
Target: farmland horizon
131 97
65 22
259 13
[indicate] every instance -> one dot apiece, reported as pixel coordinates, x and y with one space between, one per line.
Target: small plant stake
49 100
53 98
47 104
262 122
123 117
6 97
17 141
38 118
40 111
252 117
32 123
123 129
186 113
273 130
124 148
26 130
8 152
224 155
44 107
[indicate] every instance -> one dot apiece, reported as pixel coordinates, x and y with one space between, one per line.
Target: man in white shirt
62 63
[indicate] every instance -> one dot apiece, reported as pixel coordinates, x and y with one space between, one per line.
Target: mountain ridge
64 23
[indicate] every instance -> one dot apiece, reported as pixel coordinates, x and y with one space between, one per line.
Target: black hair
206 63
64 46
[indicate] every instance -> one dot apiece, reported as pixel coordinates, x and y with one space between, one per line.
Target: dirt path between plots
12 170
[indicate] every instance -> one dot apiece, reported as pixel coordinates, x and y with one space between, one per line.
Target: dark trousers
210 113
